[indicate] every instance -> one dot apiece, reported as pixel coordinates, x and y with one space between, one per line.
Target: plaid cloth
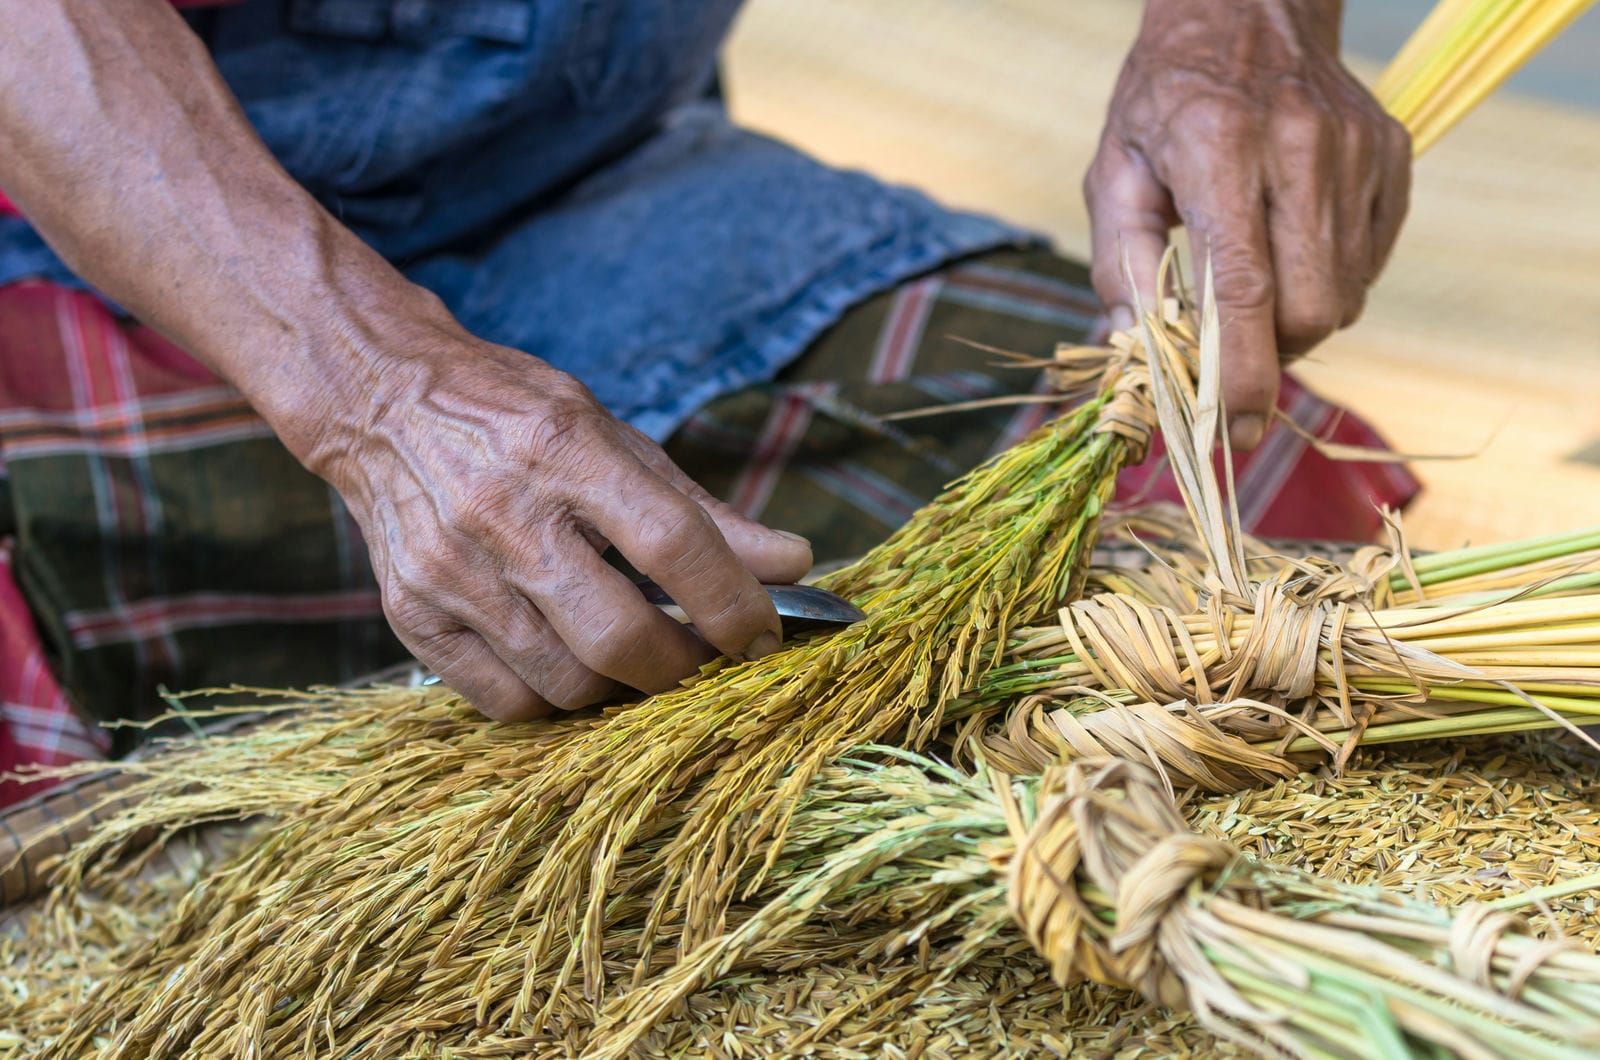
160 536
810 452
37 725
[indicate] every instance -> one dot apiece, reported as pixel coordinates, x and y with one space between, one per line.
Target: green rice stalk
883 856
1310 657
1097 869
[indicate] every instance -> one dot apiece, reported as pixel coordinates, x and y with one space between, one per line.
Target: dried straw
930 878
423 881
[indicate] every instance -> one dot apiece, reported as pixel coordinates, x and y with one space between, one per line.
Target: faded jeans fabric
558 173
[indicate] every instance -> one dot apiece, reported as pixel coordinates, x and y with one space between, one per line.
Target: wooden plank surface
1483 334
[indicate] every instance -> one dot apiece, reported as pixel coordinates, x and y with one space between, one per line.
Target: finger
602 619
1394 195
675 541
1303 227
1357 199
775 557
522 638
464 661
1225 213
1131 216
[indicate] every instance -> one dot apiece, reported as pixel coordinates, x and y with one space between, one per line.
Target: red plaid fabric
810 452
163 537
158 535
37 724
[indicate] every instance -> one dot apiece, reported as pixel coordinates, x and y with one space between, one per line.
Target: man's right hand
488 484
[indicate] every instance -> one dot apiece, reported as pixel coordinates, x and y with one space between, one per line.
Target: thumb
1130 216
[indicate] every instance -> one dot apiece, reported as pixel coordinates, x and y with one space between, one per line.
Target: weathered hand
488 484
1237 120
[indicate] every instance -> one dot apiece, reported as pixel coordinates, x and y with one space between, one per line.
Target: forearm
122 144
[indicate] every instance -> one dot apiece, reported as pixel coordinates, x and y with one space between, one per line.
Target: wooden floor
1482 337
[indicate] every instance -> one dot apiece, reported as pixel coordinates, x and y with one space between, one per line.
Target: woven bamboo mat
1484 333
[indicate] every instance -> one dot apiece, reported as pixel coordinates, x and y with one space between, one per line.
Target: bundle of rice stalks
1090 864
401 898
1094 864
1257 664
1227 697
434 878
722 761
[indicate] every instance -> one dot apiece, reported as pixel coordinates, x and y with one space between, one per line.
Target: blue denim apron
560 173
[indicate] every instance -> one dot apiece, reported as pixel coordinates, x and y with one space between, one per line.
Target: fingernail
793 537
1121 318
761 647
1245 431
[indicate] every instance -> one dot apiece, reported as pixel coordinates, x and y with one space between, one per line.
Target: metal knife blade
803 608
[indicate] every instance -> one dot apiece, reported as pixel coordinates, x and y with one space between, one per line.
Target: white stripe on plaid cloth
902 331
785 427
174 441
55 736
33 711
162 616
122 415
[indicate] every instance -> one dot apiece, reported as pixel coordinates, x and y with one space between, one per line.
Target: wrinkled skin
487 483
1238 121
488 486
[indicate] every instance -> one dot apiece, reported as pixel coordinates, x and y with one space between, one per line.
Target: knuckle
1359 138
1217 119
1090 185
1307 321
1306 134
1241 283
1100 178
575 687
679 538
1205 112
1304 101
412 615
562 428
424 570
445 651
525 643
606 643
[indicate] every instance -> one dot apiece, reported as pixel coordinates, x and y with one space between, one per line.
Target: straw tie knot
1119 373
1107 838
1477 936
1129 411
1271 643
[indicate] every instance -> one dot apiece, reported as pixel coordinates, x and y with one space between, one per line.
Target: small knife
803 608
